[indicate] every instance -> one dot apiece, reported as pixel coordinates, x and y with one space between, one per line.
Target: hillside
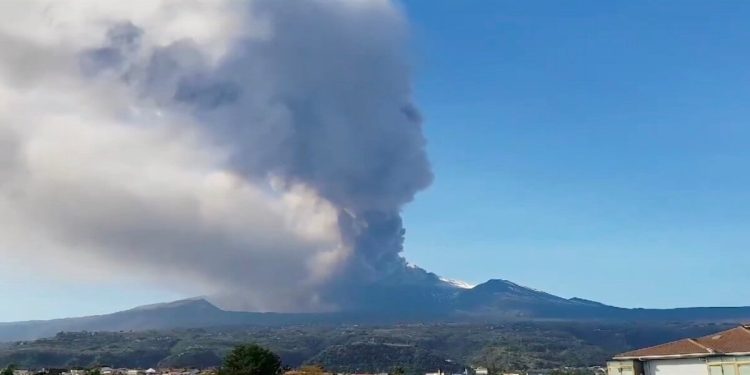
418 347
493 301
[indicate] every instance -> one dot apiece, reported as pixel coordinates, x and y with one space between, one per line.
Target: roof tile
736 340
676 348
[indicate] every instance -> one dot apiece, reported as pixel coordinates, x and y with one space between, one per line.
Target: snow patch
457 283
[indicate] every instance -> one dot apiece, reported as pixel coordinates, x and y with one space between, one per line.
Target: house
481 371
723 353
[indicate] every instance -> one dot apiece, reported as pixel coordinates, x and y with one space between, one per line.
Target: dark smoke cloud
350 130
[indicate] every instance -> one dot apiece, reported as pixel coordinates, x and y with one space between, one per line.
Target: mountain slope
188 313
501 298
495 300
185 313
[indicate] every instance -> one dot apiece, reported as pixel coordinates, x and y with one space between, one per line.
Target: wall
676 367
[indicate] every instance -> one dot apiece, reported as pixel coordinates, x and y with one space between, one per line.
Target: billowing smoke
257 151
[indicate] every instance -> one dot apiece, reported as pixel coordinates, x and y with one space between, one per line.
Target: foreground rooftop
735 341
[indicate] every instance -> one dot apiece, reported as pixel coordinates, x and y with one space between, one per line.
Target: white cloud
94 174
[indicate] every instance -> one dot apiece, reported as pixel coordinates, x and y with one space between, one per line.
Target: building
723 353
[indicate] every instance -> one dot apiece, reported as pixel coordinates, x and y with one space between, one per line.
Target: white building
724 353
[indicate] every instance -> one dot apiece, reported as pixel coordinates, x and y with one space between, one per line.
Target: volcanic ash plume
257 151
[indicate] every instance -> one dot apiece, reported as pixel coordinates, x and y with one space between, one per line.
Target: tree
250 360
398 370
8 370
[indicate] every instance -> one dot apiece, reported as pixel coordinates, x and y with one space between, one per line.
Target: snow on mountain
457 283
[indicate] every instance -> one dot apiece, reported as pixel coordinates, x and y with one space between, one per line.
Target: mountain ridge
494 300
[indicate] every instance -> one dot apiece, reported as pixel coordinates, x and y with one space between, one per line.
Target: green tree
250 360
398 370
8 370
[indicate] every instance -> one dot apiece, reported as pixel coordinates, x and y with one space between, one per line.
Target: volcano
427 298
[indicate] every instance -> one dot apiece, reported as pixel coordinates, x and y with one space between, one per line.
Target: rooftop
735 341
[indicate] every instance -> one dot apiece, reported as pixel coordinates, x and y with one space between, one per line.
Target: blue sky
592 149
587 148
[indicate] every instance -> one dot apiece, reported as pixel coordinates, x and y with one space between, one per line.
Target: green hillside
417 348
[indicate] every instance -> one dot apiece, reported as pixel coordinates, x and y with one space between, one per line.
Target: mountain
185 313
188 313
505 299
426 301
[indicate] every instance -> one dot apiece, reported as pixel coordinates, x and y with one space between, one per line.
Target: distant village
115 371
722 353
215 371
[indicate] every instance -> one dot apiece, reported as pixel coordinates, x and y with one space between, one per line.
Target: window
727 366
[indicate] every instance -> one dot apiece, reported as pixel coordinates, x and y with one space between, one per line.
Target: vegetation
251 360
502 347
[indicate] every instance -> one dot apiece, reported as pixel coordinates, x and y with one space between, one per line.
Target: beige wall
676 367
